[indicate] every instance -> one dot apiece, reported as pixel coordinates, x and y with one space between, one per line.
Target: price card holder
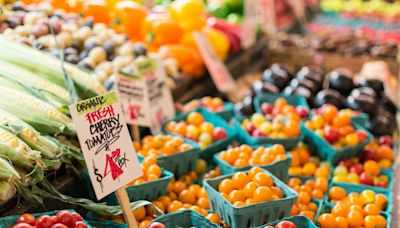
145 97
219 73
107 148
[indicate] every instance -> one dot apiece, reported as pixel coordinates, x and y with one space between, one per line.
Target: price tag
145 97
219 73
106 144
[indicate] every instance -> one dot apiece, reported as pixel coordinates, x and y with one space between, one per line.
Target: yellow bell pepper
218 40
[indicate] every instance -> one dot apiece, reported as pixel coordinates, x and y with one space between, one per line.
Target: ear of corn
42 116
27 78
7 171
19 153
29 135
48 67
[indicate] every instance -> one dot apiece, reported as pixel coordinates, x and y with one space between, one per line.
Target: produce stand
112 114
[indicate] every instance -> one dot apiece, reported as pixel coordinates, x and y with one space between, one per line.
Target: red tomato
80 224
66 218
156 225
27 218
77 216
45 221
59 225
22 225
268 227
285 224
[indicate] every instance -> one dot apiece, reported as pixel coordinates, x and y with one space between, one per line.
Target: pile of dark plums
336 87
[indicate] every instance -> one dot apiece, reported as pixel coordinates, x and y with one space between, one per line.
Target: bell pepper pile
168 32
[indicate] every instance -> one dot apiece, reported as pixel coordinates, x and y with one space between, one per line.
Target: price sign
146 99
106 144
219 73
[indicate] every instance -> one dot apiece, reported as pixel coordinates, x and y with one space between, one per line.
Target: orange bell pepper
159 29
98 9
189 59
128 17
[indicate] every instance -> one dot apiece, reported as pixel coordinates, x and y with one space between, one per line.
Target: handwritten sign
219 73
106 144
146 99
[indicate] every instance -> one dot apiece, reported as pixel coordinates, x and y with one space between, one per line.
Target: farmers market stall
194 113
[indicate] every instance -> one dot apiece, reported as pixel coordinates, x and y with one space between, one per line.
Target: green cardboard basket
252 215
325 151
185 218
298 220
278 168
180 163
358 189
270 98
146 191
208 152
243 136
11 220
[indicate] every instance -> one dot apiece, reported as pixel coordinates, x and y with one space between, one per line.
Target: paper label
106 144
219 73
146 99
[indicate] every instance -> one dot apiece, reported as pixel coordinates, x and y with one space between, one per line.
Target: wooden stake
136 132
123 200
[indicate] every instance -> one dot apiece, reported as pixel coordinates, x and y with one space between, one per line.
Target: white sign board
145 97
106 144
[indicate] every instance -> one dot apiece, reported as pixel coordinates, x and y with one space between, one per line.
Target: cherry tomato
27 218
59 225
66 217
80 224
45 221
22 225
285 224
157 225
77 216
